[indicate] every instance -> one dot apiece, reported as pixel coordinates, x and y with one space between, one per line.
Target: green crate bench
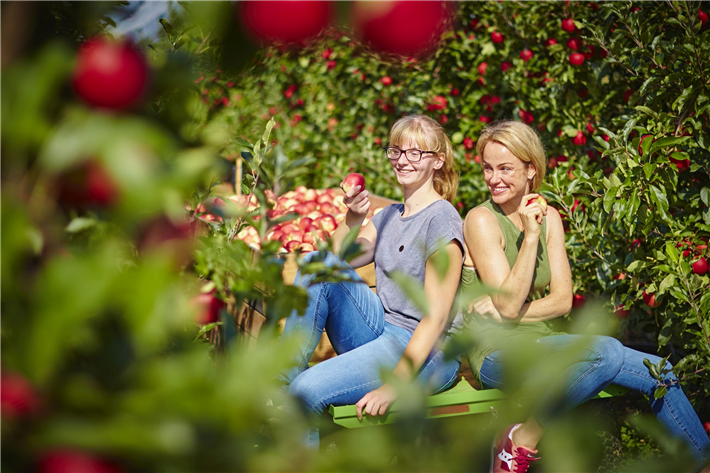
460 400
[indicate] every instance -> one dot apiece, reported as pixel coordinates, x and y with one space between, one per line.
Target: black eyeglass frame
404 152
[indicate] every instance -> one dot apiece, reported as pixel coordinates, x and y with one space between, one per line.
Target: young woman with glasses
387 331
513 243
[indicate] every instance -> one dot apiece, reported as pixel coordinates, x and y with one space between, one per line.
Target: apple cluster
318 213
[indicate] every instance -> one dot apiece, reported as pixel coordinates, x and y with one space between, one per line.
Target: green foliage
98 298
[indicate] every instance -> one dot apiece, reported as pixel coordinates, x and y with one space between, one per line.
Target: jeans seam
362 314
315 320
451 379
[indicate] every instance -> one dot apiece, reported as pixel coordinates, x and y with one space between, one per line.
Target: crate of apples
318 213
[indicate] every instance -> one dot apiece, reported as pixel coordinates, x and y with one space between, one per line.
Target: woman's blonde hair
427 133
521 140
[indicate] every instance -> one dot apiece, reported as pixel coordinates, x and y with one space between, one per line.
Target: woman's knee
610 352
308 391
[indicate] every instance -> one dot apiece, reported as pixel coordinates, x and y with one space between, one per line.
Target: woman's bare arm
440 295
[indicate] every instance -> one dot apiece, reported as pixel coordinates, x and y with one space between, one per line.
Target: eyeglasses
412 155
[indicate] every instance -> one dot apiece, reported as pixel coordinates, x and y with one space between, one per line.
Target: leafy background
102 362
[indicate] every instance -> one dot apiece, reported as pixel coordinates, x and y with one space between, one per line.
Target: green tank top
489 335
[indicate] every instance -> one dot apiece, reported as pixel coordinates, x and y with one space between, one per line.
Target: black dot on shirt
401 248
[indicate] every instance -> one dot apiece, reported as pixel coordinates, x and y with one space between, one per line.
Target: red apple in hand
352 180
540 200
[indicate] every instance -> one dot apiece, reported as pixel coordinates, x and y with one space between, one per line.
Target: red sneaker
506 457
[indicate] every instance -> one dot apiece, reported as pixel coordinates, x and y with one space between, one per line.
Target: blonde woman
371 332
518 247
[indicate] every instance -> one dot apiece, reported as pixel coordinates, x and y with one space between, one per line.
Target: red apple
284 21
482 68
621 313
291 245
207 307
17 396
526 55
87 185
700 267
580 139
497 37
576 59
327 208
304 223
311 194
352 180
568 25
650 299
702 16
276 235
550 42
327 223
67 460
681 164
540 200
425 20
706 426
110 74
311 205
578 301
574 44
386 80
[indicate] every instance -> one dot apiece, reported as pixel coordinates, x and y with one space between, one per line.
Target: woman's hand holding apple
531 211
357 202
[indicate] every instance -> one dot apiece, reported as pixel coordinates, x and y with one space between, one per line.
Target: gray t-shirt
404 244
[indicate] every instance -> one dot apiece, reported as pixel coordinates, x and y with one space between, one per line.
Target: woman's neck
416 199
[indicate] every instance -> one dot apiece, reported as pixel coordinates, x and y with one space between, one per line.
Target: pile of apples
318 213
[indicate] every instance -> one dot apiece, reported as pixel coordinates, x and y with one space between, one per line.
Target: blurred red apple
67 460
376 23
567 24
207 307
281 21
86 185
17 396
578 301
526 55
110 74
576 59
497 37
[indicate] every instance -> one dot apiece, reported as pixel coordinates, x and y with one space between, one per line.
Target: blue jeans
606 361
354 319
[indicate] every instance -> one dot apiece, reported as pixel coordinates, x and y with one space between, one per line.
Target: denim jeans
606 361
354 319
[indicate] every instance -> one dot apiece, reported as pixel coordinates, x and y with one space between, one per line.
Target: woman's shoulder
481 216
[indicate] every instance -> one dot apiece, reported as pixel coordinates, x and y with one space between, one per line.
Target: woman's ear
441 159
532 172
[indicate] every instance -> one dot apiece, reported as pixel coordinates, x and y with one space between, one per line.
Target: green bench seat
460 400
